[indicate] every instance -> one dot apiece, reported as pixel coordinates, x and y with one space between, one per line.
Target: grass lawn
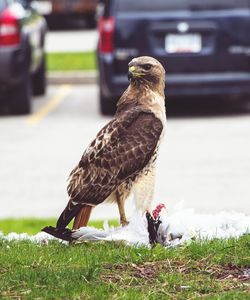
212 270
79 61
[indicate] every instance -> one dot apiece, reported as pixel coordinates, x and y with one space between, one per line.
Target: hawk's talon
124 222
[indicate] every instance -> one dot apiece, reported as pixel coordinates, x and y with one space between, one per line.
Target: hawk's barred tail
67 215
63 234
83 217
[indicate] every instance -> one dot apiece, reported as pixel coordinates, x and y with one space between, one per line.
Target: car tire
107 106
39 82
20 98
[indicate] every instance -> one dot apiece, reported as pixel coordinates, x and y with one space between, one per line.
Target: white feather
177 228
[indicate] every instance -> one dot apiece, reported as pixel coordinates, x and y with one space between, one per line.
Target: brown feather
83 217
124 150
127 150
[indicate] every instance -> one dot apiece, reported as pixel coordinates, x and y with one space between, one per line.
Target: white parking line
37 116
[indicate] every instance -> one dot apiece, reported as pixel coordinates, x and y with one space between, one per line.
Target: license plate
42 7
183 43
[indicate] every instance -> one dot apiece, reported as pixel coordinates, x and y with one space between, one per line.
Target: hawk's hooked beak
132 72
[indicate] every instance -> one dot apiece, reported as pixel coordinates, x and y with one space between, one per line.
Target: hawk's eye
147 67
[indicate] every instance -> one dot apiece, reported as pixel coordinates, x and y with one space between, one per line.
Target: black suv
203 44
22 55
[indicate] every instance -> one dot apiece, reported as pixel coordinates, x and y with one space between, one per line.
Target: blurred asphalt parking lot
204 160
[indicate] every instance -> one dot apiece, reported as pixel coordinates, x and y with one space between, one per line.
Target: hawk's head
147 69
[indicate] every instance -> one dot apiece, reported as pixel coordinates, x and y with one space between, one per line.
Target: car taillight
106 32
9 29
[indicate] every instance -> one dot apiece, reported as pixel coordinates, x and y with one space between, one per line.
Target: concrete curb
74 77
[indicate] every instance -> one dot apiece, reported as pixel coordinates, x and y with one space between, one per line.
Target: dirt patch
3 270
230 272
149 271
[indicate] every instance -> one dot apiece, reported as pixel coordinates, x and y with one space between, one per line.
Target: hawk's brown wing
120 151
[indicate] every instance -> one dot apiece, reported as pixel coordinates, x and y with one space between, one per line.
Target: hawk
122 157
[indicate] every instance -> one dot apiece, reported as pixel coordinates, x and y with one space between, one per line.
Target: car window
10 1
2 4
159 5
23 2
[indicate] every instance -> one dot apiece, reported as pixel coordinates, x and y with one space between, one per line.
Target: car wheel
107 105
20 98
39 79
